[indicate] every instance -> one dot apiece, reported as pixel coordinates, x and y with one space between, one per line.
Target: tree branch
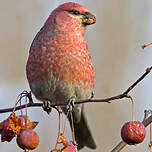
120 96
122 144
21 107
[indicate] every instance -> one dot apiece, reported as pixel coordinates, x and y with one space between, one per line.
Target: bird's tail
82 132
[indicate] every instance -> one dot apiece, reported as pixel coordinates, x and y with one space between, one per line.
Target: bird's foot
47 107
70 108
70 105
92 95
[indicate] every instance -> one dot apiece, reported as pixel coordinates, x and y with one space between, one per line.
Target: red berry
70 147
6 134
23 120
133 132
25 123
27 139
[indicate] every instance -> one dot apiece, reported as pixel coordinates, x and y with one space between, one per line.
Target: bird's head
71 15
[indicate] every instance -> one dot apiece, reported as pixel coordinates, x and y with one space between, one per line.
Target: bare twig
145 45
21 107
107 100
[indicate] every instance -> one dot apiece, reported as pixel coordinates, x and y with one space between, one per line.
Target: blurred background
115 45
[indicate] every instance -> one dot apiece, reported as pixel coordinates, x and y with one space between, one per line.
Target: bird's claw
147 113
92 95
70 105
47 107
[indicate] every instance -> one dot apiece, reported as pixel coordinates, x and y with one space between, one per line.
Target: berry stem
26 105
150 144
58 130
65 122
72 122
133 107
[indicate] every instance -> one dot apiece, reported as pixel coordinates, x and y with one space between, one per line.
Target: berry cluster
22 128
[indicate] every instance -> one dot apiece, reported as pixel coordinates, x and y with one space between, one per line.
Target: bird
59 67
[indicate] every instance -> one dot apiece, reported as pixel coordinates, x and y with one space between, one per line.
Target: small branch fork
107 100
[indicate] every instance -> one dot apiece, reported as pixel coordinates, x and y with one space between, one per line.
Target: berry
70 147
133 132
23 120
6 134
25 123
9 128
27 139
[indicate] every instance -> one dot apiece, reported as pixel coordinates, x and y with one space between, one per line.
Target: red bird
59 67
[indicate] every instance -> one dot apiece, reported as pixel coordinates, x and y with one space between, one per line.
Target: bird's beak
88 18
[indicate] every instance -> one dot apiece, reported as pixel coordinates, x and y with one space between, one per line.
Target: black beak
88 18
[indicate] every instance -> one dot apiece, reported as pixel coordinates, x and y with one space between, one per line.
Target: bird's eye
75 12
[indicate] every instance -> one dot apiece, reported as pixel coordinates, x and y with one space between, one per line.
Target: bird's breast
60 57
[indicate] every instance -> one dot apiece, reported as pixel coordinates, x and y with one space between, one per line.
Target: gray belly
58 92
